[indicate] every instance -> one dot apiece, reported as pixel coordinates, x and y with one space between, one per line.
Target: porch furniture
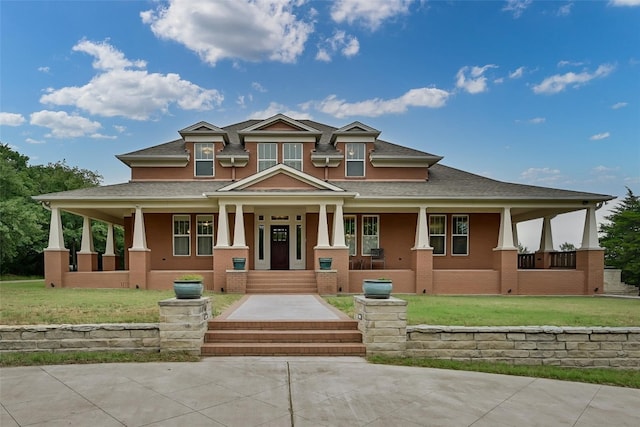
377 256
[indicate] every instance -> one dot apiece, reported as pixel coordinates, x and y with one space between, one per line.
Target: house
283 193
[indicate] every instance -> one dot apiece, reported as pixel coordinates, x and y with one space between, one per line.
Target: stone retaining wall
91 337
528 345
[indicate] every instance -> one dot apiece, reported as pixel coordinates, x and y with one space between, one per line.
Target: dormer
279 128
355 132
204 132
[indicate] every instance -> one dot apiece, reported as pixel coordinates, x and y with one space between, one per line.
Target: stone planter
377 288
325 263
239 263
187 289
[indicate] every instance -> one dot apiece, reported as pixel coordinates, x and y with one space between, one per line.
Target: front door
279 247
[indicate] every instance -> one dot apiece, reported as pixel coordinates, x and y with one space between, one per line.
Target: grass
28 303
83 357
512 310
615 377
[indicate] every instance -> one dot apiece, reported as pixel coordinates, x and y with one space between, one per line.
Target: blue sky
543 93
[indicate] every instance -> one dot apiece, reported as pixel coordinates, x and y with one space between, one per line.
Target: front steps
283 338
281 282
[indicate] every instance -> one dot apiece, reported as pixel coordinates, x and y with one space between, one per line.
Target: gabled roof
262 125
281 169
355 128
168 154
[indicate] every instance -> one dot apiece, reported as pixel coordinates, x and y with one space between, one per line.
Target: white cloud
619 105
472 79
517 73
420 97
600 136
63 125
238 29
565 63
119 128
258 87
537 120
34 141
370 12
517 7
565 10
11 119
346 44
558 82
44 69
135 94
629 3
540 175
275 108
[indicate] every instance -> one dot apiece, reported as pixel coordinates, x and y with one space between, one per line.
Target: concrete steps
281 282
283 338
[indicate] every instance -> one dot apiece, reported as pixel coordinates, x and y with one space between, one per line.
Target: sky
533 92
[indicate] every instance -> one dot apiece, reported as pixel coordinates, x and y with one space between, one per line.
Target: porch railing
557 260
526 261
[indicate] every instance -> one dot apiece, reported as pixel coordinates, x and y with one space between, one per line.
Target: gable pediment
281 178
279 128
204 132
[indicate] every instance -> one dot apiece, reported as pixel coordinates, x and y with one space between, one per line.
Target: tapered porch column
238 229
223 227
87 256
506 256
56 256
139 254
323 227
423 254
590 256
109 256
543 255
338 227
330 282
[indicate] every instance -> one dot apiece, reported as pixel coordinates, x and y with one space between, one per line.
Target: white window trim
363 160
377 217
198 235
355 230
457 235
196 160
188 235
262 159
444 235
285 159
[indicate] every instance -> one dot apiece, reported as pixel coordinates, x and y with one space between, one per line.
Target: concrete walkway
302 392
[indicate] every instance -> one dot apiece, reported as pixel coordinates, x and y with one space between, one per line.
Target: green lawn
28 303
513 310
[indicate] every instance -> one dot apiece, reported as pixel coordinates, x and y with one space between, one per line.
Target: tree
567 247
621 238
24 223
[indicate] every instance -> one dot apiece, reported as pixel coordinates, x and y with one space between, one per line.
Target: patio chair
377 256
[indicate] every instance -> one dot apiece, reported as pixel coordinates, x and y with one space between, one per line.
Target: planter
239 263
325 263
377 288
187 289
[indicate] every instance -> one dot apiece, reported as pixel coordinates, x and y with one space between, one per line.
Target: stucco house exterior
283 193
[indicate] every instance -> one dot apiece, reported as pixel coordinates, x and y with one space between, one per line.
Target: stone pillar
183 323
109 256
506 256
383 323
56 256
87 256
139 254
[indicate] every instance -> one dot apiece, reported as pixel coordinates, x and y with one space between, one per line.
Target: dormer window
355 159
203 159
292 155
267 155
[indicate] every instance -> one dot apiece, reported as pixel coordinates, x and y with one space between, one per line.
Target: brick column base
237 281
183 323
327 282
383 323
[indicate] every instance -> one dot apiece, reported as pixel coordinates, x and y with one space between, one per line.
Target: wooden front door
279 247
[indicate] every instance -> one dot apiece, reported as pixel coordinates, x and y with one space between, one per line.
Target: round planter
377 288
239 263
325 263
187 289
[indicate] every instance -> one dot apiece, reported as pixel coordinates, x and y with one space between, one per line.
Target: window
292 155
267 155
437 233
351 234
355 159
181 239
204 159
460 235
370 238
205 234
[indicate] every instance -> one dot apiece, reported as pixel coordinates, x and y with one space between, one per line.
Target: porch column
238 228
514 230
139 254
543 257
223 226
422 262
590 256
506 256
87 257
338 227
323 227
56 256
109 256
